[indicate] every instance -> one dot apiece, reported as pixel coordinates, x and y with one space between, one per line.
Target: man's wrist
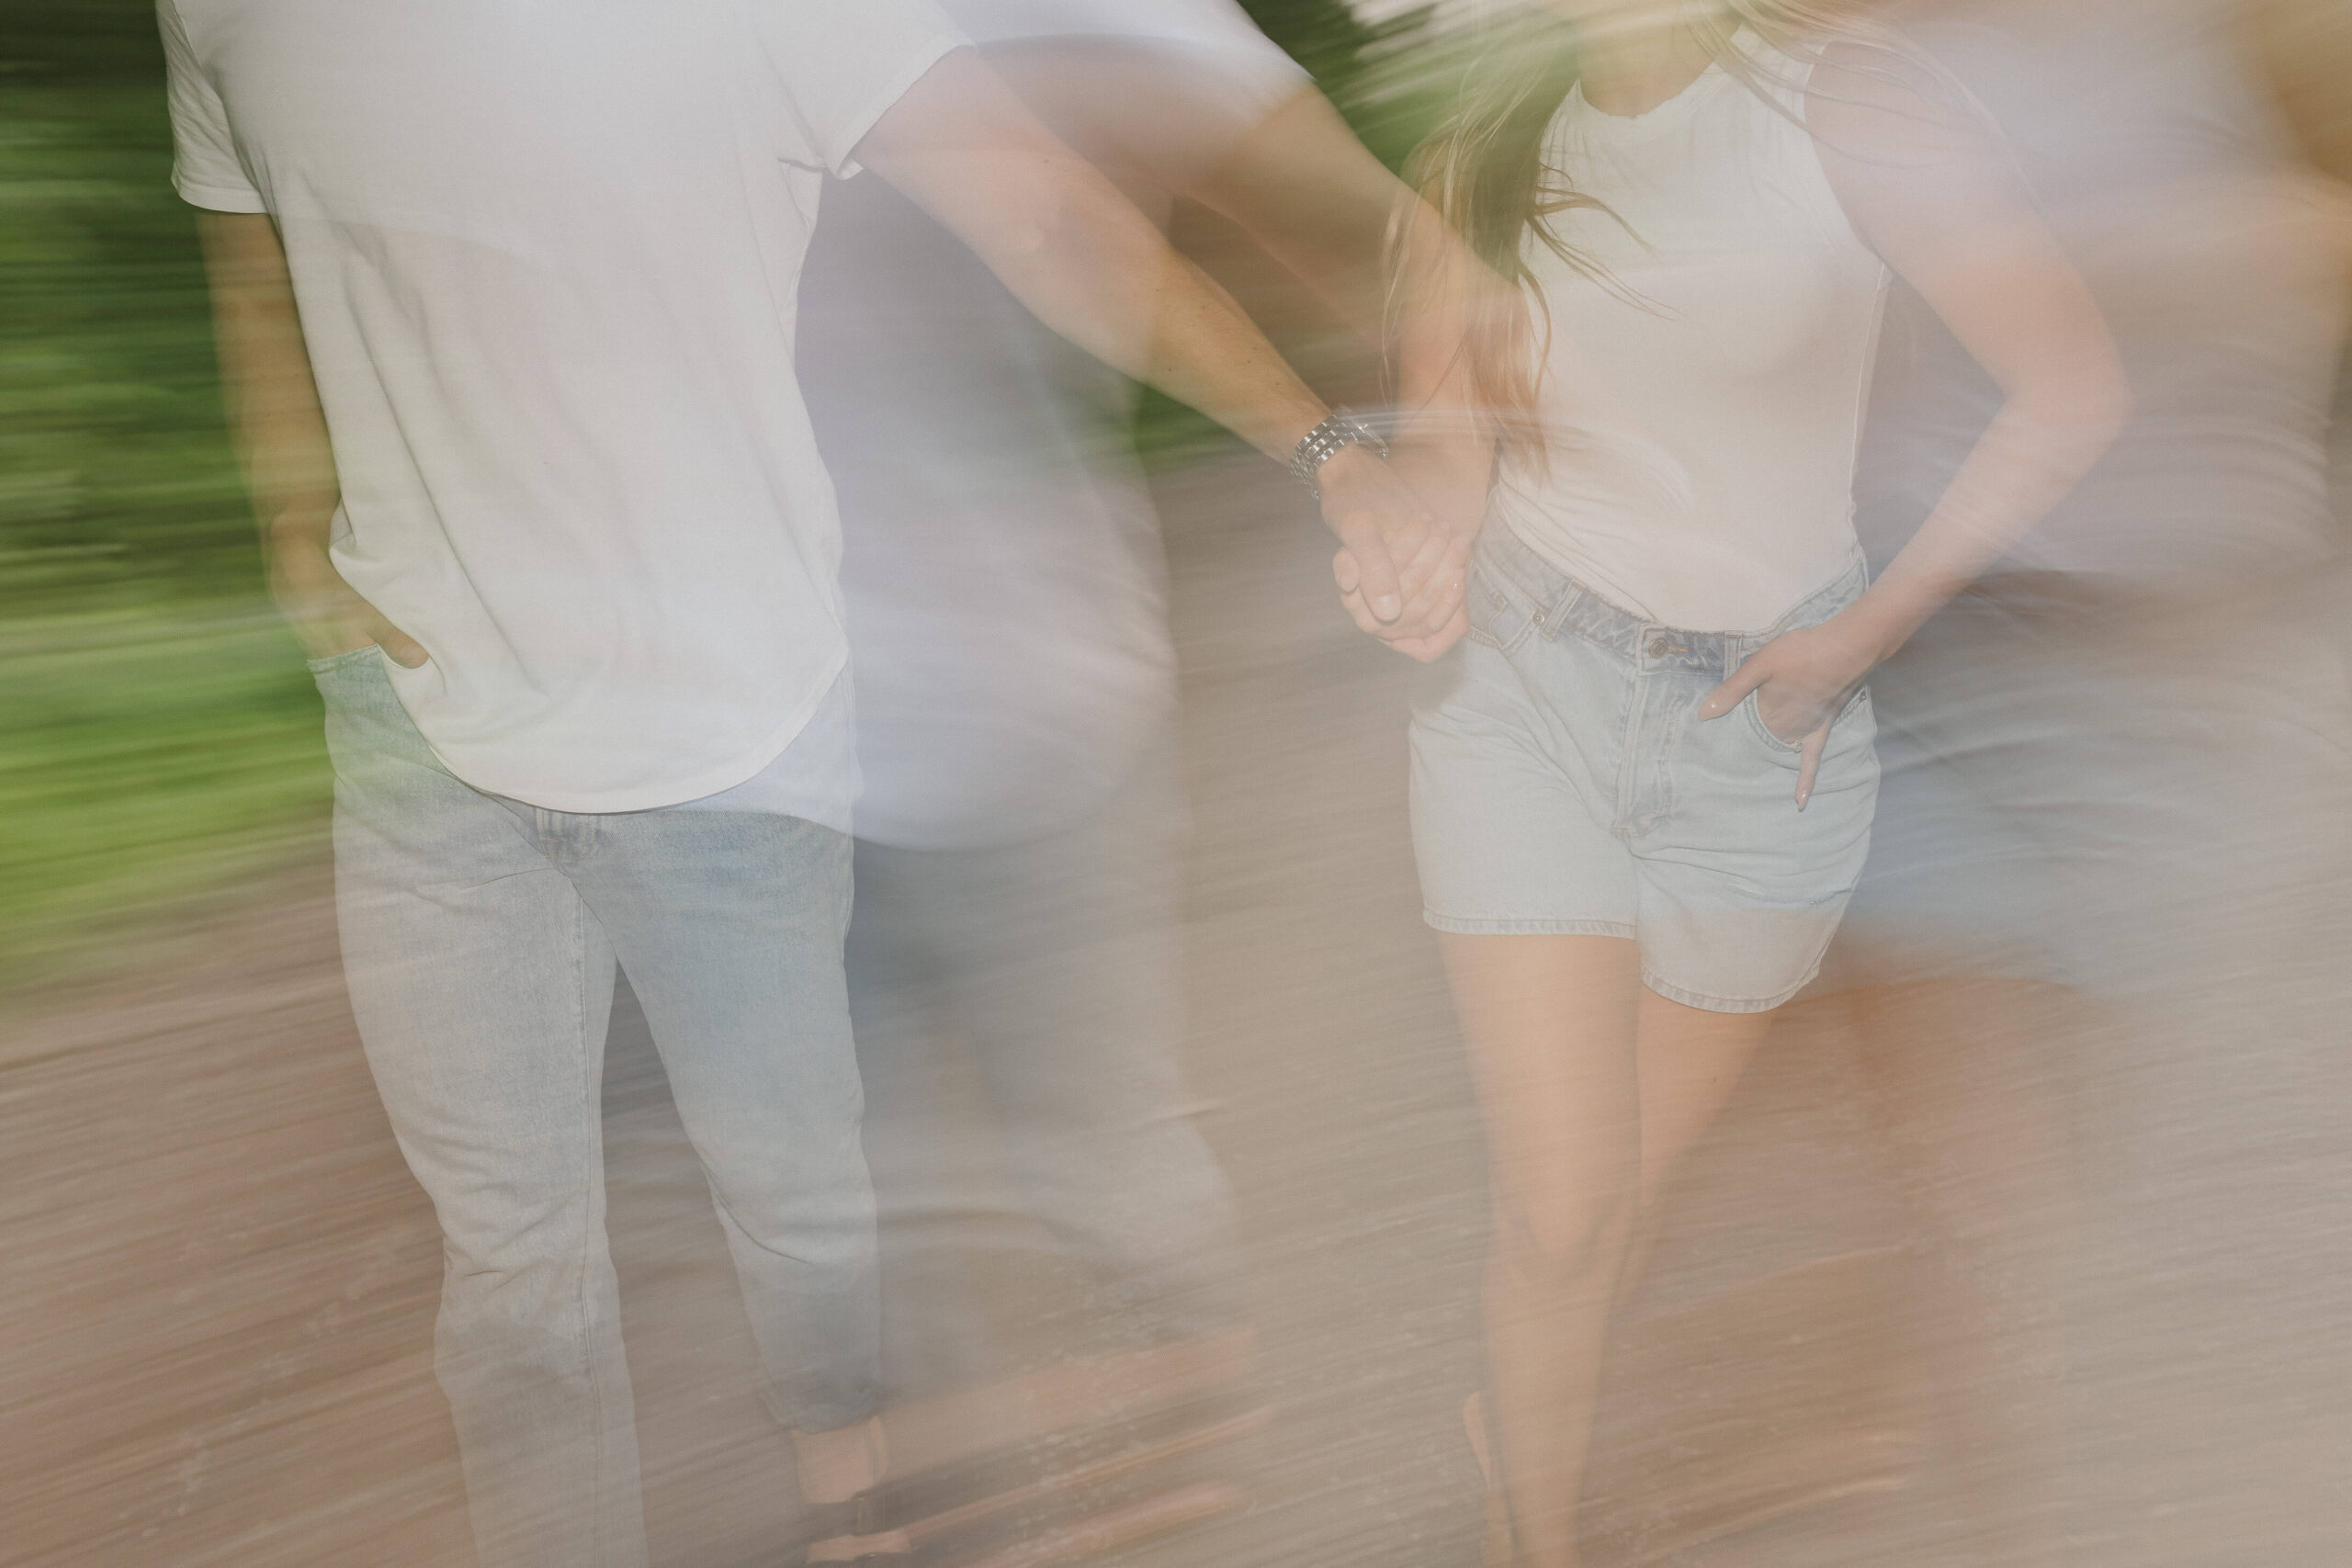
1349 465
1337 434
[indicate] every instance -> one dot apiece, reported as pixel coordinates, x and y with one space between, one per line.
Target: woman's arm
2305 50
1930 186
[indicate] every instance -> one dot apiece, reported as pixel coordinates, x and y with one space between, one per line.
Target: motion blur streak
1221 1211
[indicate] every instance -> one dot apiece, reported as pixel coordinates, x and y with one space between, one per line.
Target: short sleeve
1900 137
205 166
843 62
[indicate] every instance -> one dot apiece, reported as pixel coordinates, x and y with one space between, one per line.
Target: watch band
1326 441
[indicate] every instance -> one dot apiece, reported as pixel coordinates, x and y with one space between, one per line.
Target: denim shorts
1564 785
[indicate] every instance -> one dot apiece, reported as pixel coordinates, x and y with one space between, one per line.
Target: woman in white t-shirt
1643 793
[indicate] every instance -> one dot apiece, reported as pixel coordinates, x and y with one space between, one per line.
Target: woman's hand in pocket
1803 680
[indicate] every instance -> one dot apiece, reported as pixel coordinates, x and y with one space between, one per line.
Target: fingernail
1387 607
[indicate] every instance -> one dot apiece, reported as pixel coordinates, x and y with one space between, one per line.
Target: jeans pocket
334 662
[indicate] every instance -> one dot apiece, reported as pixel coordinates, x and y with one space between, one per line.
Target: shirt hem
681 792
1585 575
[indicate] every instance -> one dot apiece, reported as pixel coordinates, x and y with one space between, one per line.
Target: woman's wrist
1879 624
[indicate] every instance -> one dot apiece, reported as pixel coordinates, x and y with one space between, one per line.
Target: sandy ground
219 1278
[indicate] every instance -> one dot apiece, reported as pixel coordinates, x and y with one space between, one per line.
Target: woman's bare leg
1575 1062
1691 1061
1952 1071
1551 1024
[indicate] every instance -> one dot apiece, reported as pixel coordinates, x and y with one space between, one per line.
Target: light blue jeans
481 938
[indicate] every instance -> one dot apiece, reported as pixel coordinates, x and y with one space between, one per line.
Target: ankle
836 1465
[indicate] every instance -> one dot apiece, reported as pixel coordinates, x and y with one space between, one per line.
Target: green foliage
156 719
1323 36
1357 65
1362 69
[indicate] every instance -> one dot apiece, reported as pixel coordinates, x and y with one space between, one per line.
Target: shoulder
181 21
1875 95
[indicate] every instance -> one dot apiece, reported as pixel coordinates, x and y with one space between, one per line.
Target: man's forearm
1074 250
1306 189
275 421
280 434
1079 255
1102 275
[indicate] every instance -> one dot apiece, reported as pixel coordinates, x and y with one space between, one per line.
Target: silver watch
1326 441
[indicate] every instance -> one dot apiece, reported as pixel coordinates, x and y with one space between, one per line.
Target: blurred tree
1346 55
1323 36
115 479
158 724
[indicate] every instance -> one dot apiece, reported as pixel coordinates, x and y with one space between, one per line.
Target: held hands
1400 574
327 615
1803 680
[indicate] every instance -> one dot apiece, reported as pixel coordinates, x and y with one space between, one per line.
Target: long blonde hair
1484 173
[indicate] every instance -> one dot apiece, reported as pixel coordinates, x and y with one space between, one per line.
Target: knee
523 1317
1564 1239
820 1225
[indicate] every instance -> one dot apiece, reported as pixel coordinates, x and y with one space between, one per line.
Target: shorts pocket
1856 707
1764 731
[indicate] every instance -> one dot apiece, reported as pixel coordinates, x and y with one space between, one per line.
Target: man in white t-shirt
505 298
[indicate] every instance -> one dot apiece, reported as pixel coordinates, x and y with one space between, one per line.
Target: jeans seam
588 1229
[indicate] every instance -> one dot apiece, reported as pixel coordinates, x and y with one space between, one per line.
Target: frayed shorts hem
1724 1004
1462 926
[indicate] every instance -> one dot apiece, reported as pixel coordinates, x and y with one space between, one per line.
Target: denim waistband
1565 606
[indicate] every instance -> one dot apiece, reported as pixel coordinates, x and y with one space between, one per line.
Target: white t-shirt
1228 76
545 259
1704 404
1213 23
